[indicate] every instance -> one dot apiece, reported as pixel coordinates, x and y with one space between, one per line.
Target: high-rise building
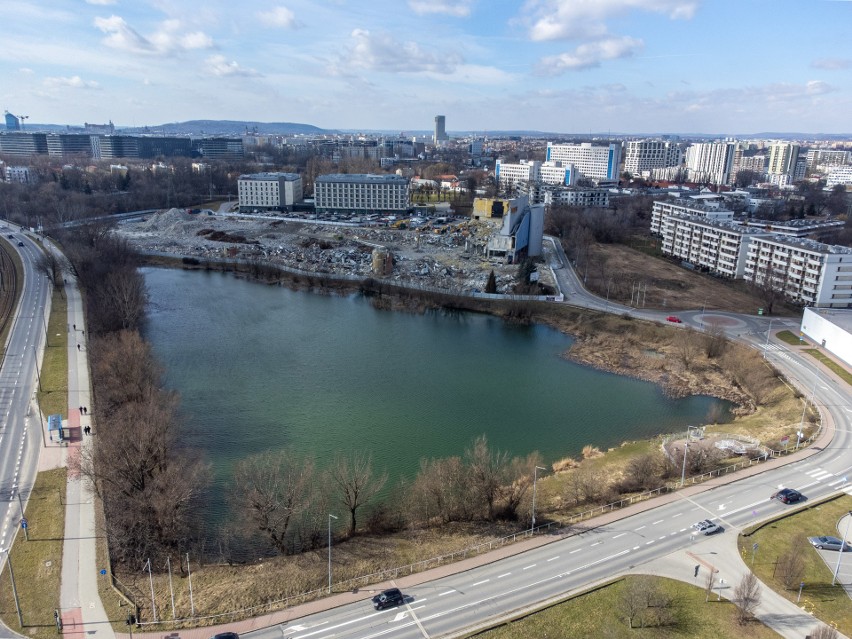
440 129
269 190
710 162
643 156
783 158
12 122
364 193
598 163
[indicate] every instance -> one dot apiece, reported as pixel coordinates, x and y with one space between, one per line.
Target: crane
22 118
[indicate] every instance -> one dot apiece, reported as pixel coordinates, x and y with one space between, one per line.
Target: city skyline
678 66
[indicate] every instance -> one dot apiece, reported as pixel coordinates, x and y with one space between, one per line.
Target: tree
273 489
715 341
747 597
837 202
487 472
768 284
441 490
491 284
353 476
824 632
790 568
687 346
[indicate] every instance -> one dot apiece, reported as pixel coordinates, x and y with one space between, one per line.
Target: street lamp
842 548
535 482
8 552
330 517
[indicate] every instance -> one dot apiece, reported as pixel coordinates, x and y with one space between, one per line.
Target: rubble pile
452 260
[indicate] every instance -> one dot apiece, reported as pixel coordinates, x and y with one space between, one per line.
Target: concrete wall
826 329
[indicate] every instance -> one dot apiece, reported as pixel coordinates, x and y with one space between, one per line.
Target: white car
706 527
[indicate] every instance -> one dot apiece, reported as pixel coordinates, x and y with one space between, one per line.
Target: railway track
9 288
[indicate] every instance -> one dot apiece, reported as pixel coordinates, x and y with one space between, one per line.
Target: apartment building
361 192
827 157
706 210
711 162
806 271
591 162
555 195
839 175
20 174
643 156
782 158
269 191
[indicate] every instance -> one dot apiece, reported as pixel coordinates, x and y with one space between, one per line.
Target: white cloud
589 55
219 65
381 52
74 82
457 8
832 64
279 17
586 19
167 40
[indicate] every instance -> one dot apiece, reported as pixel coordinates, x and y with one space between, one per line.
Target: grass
835 368
37 563
789 338
53 396
819 597
597 614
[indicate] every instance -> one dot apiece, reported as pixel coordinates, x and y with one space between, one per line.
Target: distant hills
226 127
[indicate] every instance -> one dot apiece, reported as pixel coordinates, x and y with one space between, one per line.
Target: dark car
20 243
11 237
787 495
226 635
388 599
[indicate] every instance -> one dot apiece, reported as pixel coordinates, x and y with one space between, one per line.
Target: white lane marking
659 521
635 547
553 559
648 543
505 574
663 537
573 551
528 567
640 528
449 592
597 543
479 583
619 535
677 515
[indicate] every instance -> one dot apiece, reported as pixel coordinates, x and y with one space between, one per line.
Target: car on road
388 599
20 243
827 542
226 635
787 495
706 527
673 318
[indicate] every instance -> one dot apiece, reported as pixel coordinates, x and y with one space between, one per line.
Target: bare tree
48 264
790 567
709 582
715 341
125 294
353 475
687 346
441 490
487 471
747 597
634 600
273 489
824 632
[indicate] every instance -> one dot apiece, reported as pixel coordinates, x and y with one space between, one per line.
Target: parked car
226 635
706 527
787 495
388 599
827 542
673 318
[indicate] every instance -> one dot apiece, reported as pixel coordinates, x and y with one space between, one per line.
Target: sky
566 66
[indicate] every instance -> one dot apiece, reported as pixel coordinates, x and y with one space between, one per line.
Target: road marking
640 528
449 592
635 547
553 558
677 515
597 543
659 521
573 551
619 535
528 567
505 574
479 583
648 543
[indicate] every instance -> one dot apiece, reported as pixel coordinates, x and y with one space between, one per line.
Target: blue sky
573 66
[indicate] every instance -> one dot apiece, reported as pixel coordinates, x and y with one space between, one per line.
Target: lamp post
842 548
8 552
330 517
535 482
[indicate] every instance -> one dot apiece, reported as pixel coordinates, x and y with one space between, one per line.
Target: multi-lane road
21 429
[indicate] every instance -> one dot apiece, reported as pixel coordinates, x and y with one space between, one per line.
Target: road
21 431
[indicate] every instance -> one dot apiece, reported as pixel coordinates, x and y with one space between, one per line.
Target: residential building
710 162
20 174
591 162
361 192
782 159
555 195
269 191
839 175
797 227
708 210
807 272
827 157
643 156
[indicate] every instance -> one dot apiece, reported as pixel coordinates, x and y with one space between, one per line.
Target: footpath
83 614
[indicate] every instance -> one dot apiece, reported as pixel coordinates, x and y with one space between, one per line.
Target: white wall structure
361 192
269 190
599 163
831 330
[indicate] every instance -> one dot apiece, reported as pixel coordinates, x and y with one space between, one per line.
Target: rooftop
362 178
272 175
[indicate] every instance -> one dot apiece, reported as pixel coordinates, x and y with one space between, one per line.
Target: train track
9 289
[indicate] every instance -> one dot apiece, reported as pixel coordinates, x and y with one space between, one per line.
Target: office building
269 191
710 162
643 156
597 163
23 143
13 123
440 134
361 193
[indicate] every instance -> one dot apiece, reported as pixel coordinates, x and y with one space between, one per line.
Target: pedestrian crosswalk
840 483
780 351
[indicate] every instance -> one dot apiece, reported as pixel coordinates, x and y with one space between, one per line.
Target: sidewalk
81 609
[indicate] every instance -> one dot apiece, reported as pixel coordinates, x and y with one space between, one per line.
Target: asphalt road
20 436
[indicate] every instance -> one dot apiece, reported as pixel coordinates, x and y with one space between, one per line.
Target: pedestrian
85 410
75 327
78 347
697 568
81 410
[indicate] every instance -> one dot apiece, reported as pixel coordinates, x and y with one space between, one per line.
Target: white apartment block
711 162
839 175
708 211
782 158
509 175
361 192
269 191
20 174
643 156
828 157
808 272
599 163
716 246
554 195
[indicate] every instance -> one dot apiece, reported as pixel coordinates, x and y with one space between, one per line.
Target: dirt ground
666 285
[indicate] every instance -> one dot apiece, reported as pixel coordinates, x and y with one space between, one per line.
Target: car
706 527
11 237
673 318
389 598
787 495
827 542
20 243
226 635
